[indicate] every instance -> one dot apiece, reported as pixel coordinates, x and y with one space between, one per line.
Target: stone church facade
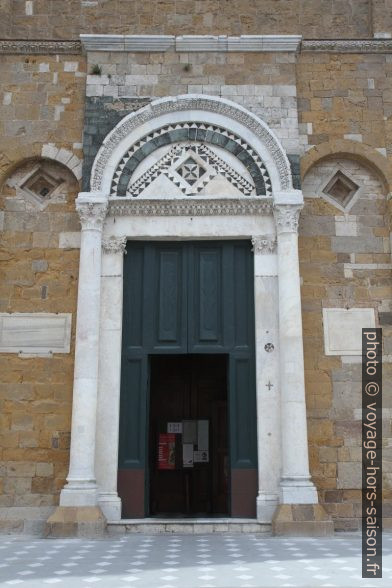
191 180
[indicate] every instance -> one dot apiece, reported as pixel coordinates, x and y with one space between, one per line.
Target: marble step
187 526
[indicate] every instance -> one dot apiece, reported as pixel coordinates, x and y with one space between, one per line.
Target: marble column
296 485
267 375
108 411
81 487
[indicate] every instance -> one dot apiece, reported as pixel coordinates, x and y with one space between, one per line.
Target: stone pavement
188 561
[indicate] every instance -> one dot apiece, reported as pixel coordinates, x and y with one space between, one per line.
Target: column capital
92 212
263 244
114 245
287 217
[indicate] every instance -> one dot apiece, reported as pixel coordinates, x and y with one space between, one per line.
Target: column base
76 521
298 491
110 504
266 505
302 520
79 493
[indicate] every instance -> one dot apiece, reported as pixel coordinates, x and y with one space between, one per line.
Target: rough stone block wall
264 83
382 16
346 96
40 117
50 19
345 262
344 103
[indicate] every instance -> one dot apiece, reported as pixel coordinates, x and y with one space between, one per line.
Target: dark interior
190 388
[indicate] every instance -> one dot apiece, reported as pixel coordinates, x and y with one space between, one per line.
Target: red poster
167 451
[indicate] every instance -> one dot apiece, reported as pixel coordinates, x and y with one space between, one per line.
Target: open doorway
188 436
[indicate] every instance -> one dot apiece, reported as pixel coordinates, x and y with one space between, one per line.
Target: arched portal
190 169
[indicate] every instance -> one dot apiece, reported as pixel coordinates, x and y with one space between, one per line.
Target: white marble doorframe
283 463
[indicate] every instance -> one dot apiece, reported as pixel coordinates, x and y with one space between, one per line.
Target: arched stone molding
195 108
66 159
36 182
353 149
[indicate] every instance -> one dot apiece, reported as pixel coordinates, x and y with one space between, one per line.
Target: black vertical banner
372 453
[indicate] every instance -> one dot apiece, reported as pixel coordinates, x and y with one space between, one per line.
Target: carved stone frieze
259 206
287 217
349 46
92 214
25 47
262 244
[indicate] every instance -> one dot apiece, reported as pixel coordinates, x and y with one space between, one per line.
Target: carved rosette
262 244
92 214
287 217
114 245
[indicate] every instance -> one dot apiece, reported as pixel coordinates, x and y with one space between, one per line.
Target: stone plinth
69 521
302 520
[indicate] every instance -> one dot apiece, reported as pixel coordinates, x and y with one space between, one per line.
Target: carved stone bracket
114 245
287 217
262 244
92 214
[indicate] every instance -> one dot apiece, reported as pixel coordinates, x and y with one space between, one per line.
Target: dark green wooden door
188 298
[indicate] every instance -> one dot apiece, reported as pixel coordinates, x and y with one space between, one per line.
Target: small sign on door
175 428
187 455
167 451
200 456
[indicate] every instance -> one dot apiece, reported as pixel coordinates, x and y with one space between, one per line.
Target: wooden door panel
190 298
167 281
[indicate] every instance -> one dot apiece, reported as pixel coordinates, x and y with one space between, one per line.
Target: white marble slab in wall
35 333
343 329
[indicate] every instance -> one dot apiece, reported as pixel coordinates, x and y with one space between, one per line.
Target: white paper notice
174 428
187 455
189 431
202 435
200 456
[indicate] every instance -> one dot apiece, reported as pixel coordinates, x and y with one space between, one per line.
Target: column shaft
267 376
296 486
108 411
81 489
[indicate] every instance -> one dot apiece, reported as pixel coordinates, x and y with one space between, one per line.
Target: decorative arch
209 119
343 147
39 181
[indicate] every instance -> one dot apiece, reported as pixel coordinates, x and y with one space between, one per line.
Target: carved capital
114 244
92 214
263 244
287 217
